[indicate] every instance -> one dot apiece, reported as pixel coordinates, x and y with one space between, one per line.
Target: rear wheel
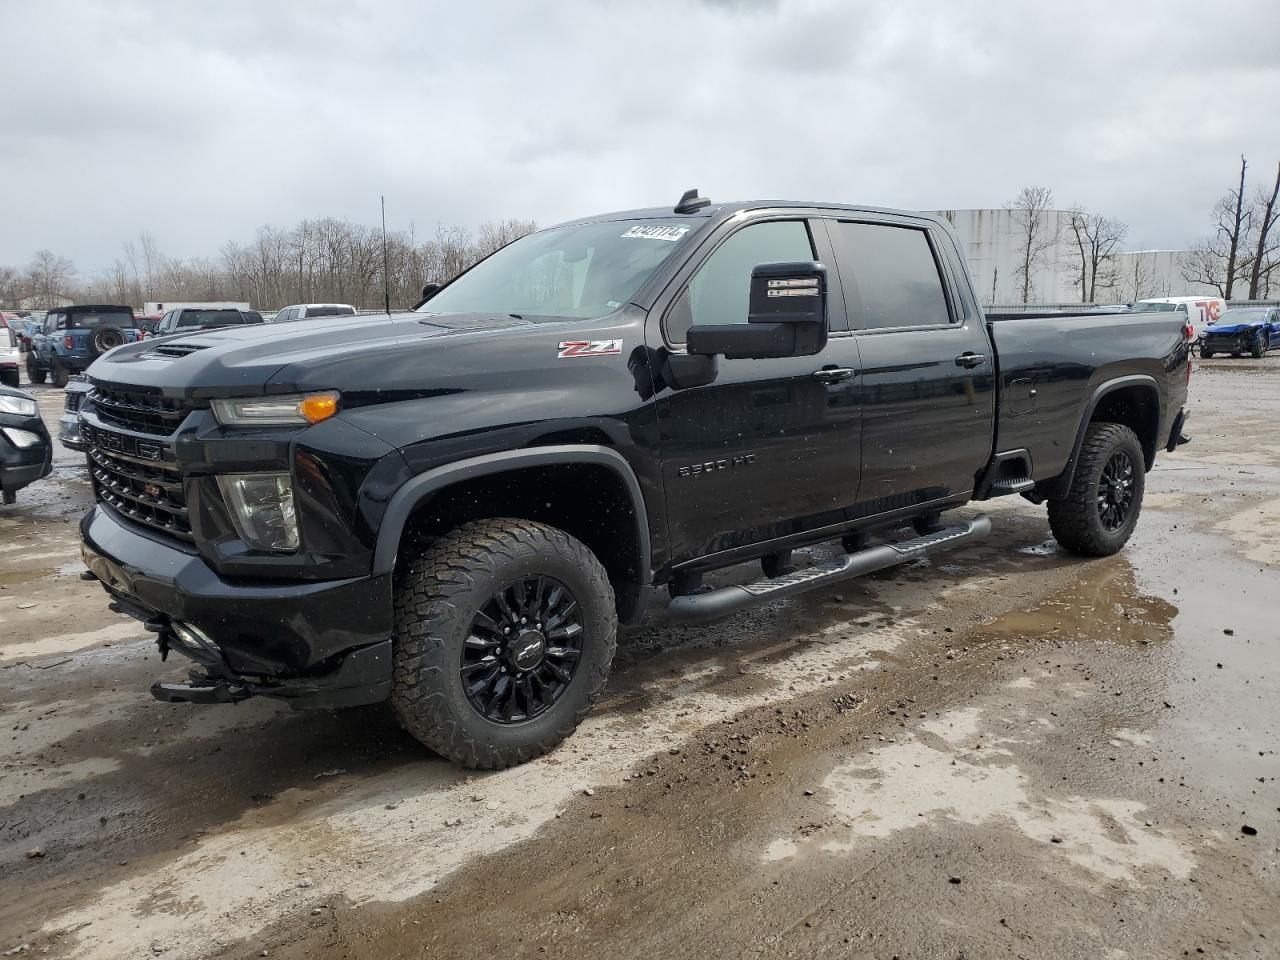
35 372
60 374
1205 353
505 631
1098 515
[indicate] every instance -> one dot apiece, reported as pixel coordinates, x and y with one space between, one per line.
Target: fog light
262 509
195 637
22 439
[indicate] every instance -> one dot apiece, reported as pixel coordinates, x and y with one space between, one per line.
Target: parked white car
1201 312
309 311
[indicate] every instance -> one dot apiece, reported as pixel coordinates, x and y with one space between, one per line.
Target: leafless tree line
325 260
1243 254
1093 239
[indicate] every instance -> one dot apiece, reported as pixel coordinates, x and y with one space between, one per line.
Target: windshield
582 270
1255 315
209 318
1141 307
92 318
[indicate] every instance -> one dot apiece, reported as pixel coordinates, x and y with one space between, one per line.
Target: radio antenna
386 274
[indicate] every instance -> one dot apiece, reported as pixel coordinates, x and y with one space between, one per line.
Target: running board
726 600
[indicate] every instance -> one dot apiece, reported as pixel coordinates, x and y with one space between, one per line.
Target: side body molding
424 485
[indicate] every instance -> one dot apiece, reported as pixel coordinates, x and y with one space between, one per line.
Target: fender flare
425 485
1058 486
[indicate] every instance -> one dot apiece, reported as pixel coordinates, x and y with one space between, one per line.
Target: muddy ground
1004 752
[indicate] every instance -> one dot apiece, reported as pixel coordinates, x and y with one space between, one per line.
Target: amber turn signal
318 406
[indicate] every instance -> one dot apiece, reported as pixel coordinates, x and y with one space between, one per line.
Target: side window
719 292
895 273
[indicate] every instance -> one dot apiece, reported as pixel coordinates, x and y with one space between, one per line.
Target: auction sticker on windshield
656 232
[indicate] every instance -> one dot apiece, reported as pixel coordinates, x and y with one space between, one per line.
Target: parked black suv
456 507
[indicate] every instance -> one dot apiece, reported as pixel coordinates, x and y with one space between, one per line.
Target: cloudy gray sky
199 122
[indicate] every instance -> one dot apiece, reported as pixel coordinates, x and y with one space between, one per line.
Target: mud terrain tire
1080 521
439 595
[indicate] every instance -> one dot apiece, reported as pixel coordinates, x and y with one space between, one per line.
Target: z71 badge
589 348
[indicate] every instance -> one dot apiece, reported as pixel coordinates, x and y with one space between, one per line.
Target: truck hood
398 351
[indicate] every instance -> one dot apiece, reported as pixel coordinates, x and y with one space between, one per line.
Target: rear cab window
210 318
330 311
891 276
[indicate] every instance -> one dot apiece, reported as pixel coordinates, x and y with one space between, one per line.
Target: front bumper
321 643
1228 342
22 466
69 432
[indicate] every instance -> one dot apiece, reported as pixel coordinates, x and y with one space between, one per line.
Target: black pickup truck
454 508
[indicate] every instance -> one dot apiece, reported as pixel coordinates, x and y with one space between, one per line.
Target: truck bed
1051 368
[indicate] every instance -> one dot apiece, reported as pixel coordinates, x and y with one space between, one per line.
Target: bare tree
12 284
1221 260
1036 235
1264 250
1136 279
1097 239
51 277
1232 206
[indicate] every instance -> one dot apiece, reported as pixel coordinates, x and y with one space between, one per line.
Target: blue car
1240 330
71 338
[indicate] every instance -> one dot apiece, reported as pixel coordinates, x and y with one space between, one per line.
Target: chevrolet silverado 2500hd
453 508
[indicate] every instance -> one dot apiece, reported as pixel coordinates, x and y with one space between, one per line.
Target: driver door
770 447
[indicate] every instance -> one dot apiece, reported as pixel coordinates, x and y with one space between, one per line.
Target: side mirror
786 316
429 290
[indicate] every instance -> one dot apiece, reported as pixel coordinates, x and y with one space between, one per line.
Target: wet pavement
1002 752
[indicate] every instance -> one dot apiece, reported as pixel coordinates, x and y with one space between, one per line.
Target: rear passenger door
928 374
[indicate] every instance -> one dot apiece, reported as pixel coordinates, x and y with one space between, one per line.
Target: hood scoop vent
171 351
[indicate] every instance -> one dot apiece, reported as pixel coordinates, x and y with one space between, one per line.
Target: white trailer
154 308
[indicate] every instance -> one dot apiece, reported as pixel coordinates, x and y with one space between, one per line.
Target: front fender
422 487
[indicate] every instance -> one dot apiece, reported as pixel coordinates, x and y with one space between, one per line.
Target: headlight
297 408
262 509
22 439
19 405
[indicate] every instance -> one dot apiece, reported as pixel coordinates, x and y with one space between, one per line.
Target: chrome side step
726 600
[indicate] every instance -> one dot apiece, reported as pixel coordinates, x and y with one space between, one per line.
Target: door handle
971 360
834 374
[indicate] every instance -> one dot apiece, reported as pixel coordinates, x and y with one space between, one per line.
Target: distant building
992 242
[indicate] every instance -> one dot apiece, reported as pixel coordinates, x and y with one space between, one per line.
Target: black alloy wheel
1115 491
522 650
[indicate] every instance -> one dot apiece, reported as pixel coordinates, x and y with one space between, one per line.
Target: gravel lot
1004 752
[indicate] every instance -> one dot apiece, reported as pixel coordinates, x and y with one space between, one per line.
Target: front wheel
1205 353
1258 348
505 631
35 373
1098 515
